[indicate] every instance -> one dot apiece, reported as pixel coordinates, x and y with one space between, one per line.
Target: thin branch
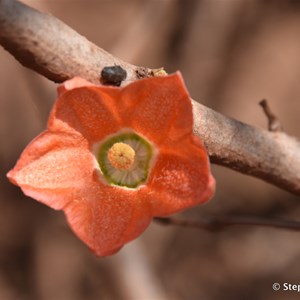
220 223
274 124
271 156
45 44
48 46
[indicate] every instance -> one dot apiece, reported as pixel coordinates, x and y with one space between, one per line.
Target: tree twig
220 223
45 44
273 122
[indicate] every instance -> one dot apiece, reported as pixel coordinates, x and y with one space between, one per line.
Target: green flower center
125 159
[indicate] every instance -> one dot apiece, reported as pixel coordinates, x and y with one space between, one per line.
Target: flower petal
107 218
158 107
52 167
180 179
89 110
73 83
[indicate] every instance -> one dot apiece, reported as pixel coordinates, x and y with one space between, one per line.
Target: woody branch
44 44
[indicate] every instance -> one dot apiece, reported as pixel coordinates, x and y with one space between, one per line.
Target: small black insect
113 75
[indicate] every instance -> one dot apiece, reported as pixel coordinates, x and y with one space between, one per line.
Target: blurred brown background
232 54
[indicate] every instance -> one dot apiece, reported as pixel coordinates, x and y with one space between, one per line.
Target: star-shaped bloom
113 158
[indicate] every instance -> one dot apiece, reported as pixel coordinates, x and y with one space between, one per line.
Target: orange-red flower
112 158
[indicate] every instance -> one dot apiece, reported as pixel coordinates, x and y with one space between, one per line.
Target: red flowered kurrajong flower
113 158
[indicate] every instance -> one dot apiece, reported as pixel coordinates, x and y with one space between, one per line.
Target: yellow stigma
121 156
